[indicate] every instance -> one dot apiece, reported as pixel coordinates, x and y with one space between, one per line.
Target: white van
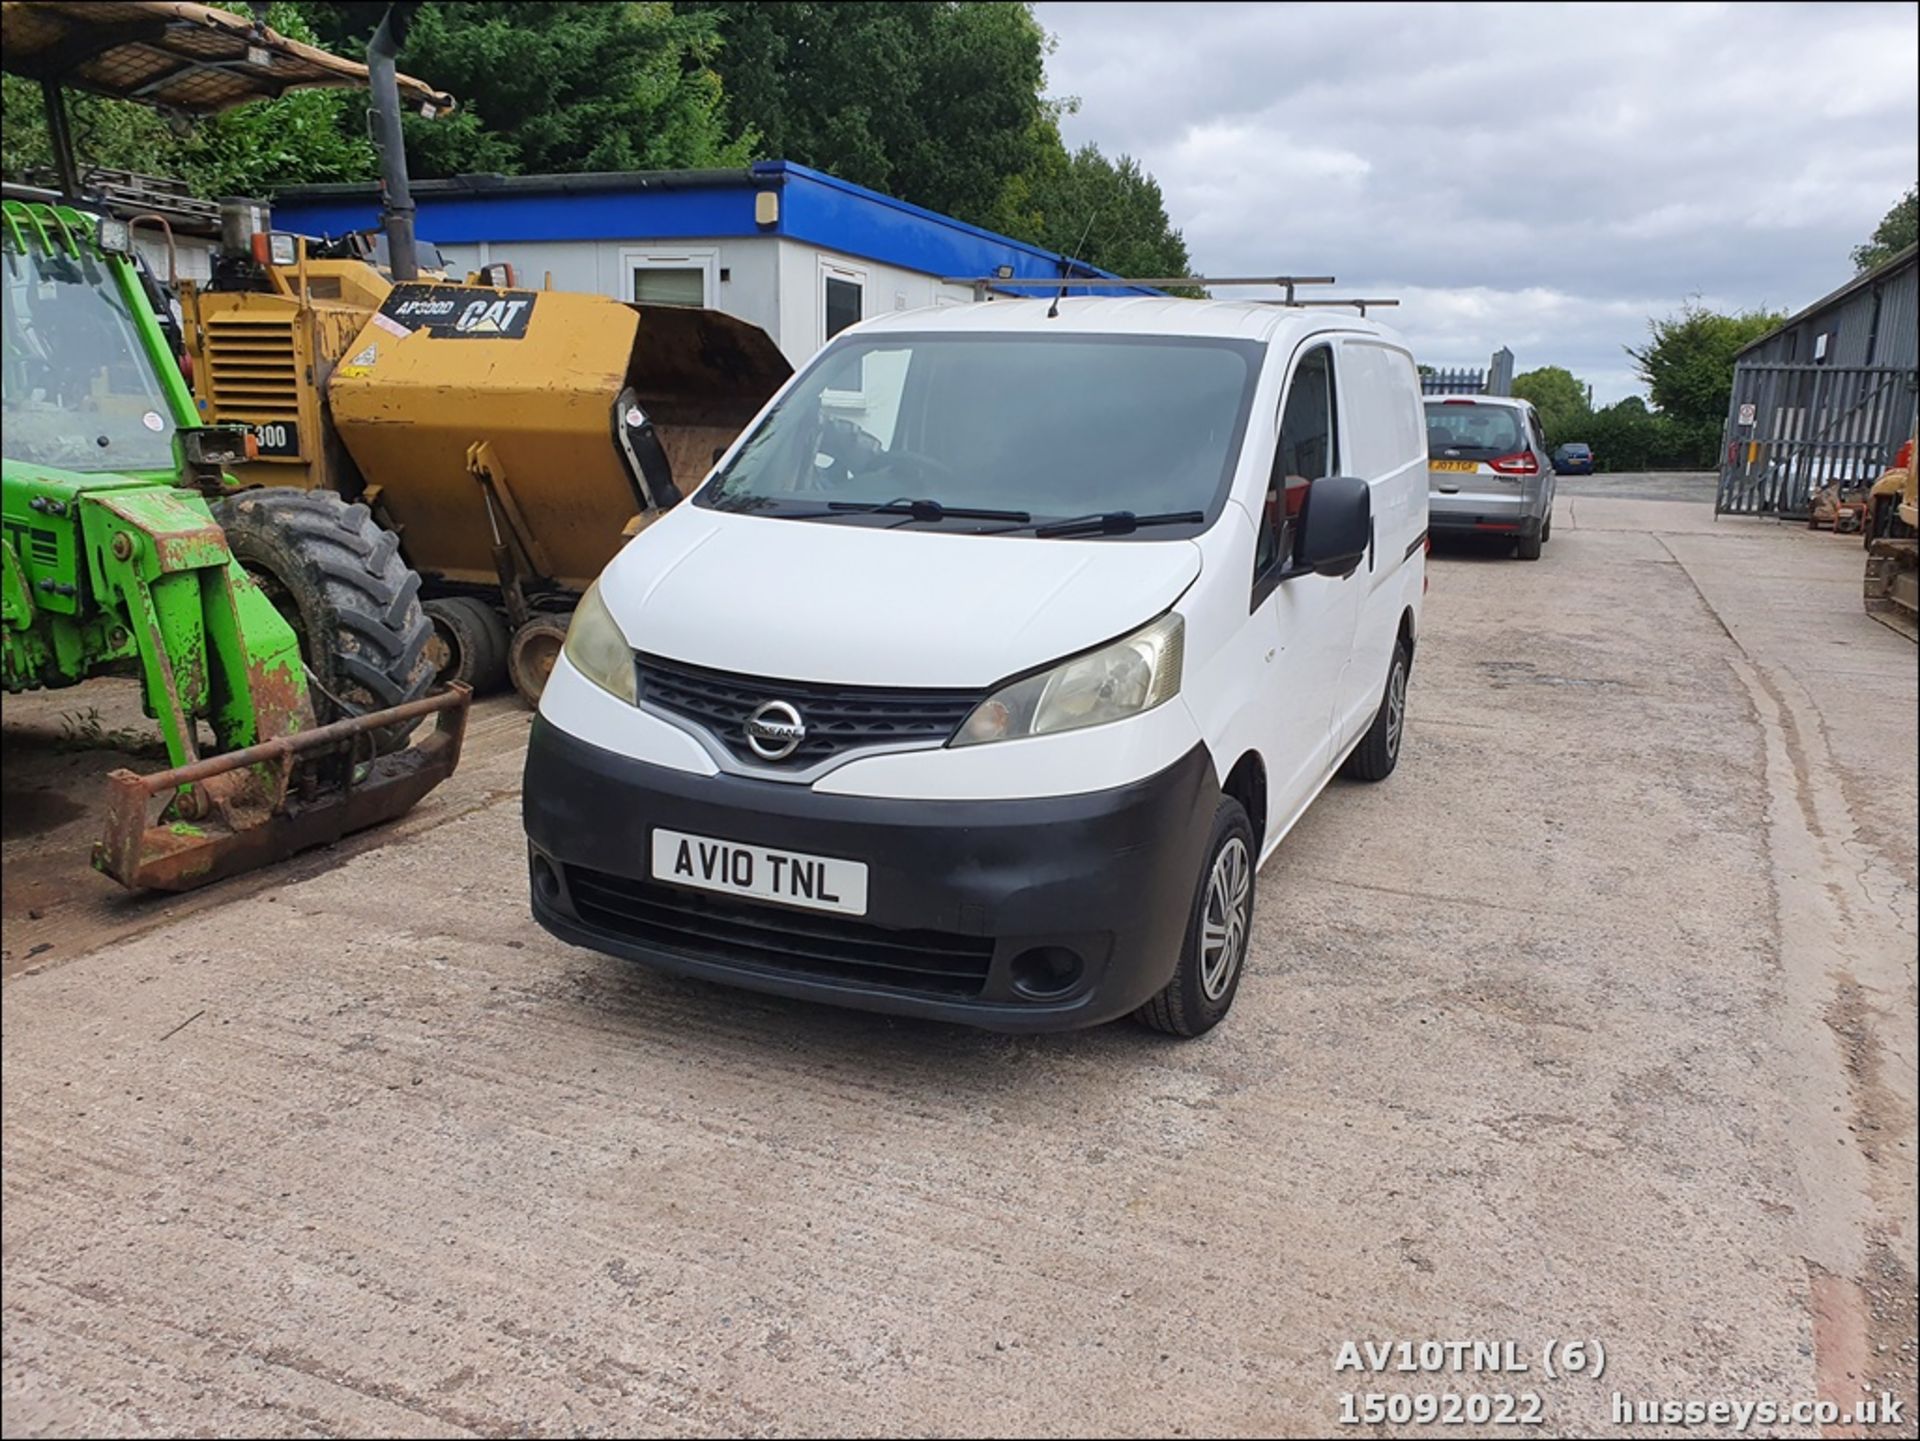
991 660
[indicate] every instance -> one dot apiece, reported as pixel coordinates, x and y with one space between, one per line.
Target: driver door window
1308 450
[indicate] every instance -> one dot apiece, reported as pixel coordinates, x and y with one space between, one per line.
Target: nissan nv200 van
991 661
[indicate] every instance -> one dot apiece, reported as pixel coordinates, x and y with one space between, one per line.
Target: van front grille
778 939
837 718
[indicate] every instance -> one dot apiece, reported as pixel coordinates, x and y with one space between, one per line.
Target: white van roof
1131 315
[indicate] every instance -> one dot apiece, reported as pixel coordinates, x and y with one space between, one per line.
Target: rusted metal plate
179 528
251 810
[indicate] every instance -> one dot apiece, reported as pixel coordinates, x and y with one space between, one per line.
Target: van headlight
598 650
1120 680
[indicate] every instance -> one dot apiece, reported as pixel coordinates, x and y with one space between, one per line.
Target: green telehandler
277 635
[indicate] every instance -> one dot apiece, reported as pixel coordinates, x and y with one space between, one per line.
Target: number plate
820 883
1468 466
276 437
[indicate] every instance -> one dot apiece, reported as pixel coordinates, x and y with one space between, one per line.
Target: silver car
1488 470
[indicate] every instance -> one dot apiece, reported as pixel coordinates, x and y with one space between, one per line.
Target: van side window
1309 450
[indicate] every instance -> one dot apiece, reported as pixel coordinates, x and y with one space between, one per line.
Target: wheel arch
1247 783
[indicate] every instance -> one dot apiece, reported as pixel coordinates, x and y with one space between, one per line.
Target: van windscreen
1470 429
1052 426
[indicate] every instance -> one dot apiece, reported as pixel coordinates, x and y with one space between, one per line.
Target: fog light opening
1046 971
546 882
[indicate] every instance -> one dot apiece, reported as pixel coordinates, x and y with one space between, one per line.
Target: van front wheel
1379 750
1215 951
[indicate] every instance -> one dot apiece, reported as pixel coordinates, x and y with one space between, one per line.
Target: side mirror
1336 526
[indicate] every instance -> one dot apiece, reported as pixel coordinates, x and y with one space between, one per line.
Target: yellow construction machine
513 438
1893 546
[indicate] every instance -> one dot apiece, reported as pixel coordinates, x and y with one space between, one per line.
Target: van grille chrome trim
838 719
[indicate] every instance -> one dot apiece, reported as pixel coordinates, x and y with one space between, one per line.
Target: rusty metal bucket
250 807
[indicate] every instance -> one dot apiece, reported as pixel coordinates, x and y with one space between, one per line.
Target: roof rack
1359 302
983 283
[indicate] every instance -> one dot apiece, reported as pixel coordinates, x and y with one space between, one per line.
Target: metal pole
396 209
61 134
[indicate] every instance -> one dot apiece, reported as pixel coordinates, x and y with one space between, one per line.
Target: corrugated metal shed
1874 319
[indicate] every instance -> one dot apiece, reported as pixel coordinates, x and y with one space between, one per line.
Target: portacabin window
670 277
844 297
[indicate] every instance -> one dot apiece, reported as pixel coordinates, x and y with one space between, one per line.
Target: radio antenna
1053 310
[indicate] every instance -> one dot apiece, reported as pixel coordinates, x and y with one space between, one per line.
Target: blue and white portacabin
992 659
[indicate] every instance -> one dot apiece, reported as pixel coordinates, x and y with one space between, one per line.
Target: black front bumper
968 901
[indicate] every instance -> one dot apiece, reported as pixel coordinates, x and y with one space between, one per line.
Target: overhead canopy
188 58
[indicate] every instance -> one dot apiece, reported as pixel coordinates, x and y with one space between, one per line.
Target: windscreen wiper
927 510
1107 522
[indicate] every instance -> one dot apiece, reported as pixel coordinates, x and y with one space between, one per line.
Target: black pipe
396 207
61 134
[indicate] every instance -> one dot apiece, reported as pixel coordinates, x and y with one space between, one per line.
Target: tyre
469 643
1379 749
1214 953
1528 546
534 649
1546 529
337 577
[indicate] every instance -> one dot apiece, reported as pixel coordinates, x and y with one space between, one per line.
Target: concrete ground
1596 1022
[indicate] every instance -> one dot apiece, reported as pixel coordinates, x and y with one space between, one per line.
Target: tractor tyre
536 646
469 643
337 577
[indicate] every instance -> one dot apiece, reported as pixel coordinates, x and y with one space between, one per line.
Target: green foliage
1107 212
1558 396
940 104
1626 436
555 88
251 150
1688 365
1898 228
105 132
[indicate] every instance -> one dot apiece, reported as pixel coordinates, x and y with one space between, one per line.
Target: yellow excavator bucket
540 421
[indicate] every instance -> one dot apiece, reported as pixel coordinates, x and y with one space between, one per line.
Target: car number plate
821 883
1466 465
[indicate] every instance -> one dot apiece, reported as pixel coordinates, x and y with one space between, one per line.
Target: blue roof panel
815 209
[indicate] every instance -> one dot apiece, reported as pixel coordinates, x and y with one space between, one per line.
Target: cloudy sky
1540 176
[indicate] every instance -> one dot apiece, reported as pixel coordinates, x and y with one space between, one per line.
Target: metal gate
1792 429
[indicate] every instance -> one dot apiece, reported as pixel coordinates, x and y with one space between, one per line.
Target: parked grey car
1488 470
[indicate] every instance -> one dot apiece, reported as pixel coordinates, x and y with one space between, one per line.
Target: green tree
1688 368
554 88
105 132
1897 229
250 150
938 104
1559 396
943 105
1109 213
1627 436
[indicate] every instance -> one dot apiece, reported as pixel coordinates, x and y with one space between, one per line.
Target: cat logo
490 317
460 312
